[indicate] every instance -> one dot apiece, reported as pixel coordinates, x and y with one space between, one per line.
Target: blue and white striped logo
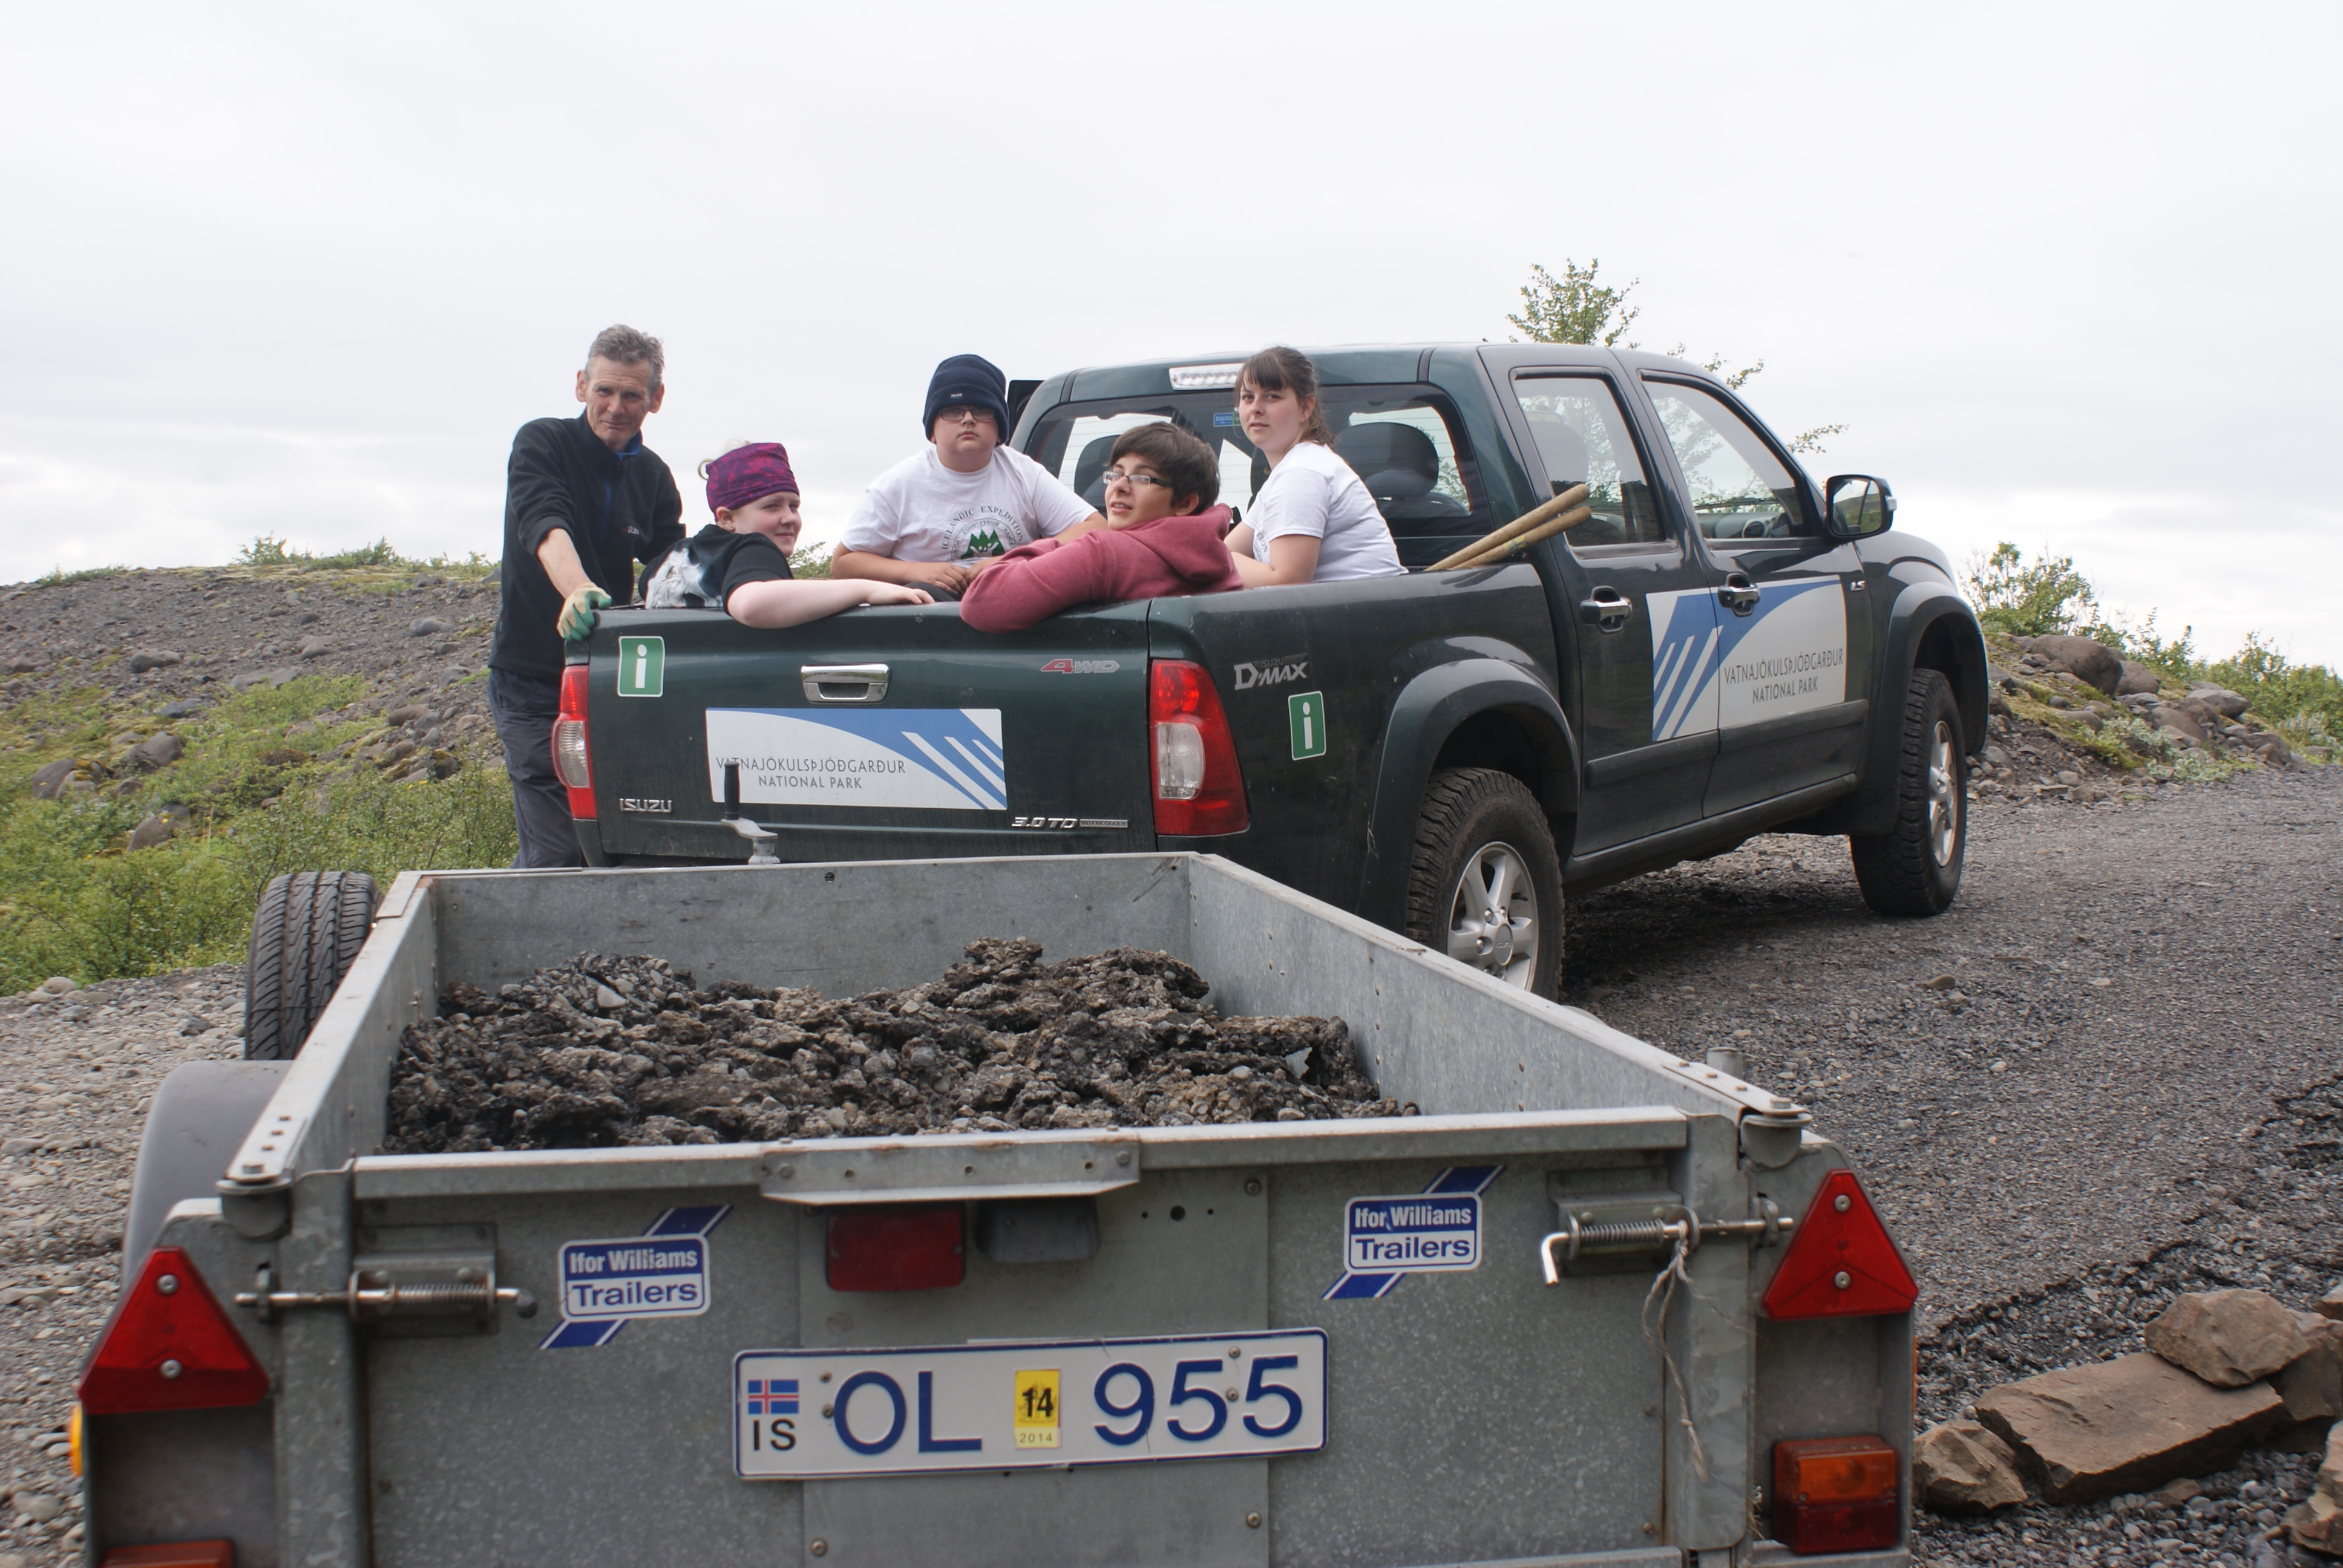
611 1282
925 759
1386 1239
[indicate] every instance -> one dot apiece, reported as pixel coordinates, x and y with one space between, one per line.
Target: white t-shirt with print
1312 491
919 510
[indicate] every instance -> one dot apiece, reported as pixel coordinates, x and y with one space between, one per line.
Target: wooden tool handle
1512 531
1507 549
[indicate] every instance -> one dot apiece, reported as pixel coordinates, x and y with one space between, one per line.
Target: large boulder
145 659
157 750
2180 721
2092 662
49 779
2229 1338
2124 1425
2219 698
2138 679
1960 1467
2312 1383
155 829
2330 1305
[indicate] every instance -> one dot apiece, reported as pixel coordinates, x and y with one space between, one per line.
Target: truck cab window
1581 436
1739 488
1402 441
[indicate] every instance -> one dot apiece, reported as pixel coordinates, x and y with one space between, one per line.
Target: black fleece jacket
617 508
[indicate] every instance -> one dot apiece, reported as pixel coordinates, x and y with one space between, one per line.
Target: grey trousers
525 709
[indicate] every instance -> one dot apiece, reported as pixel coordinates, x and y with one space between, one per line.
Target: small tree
2049 596
1576 307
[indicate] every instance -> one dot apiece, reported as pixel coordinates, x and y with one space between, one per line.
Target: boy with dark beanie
942 515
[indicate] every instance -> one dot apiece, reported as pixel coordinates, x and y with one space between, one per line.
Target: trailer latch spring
1664 1230
373 1293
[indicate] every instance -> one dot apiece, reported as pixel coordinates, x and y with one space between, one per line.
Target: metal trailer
1476 1335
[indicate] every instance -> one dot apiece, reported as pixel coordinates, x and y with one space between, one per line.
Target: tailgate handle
844 682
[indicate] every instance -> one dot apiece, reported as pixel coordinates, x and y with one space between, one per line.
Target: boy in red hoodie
1163 539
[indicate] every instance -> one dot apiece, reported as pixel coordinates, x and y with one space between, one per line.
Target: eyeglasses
1115 476
962 414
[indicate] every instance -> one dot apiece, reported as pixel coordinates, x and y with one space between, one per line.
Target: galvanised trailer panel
1476 1415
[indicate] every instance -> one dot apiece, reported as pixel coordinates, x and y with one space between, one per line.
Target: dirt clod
610 1050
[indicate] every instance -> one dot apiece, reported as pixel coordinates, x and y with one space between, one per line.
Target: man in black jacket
584 500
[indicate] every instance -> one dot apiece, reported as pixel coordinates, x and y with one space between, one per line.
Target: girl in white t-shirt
1312 521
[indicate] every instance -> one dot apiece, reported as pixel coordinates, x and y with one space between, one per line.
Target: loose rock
2120 1425
2312 1386
2318 1521
1961 1467
2087 660
157 750
2229 1338
155 659
2136 678
429 626
151 829
1120 1038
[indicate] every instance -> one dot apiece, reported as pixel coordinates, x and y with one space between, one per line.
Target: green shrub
2049 596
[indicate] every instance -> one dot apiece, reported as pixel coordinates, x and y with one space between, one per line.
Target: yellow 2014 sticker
1037 1409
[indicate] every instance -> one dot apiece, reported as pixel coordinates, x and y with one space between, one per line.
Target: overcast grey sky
2065 272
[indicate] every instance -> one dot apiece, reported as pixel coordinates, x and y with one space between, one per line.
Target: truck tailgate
860 735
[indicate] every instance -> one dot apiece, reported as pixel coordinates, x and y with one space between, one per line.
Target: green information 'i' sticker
1305 713
642 666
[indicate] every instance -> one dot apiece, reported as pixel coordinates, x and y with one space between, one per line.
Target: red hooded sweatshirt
1178 555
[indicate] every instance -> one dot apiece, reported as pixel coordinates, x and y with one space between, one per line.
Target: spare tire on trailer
305 937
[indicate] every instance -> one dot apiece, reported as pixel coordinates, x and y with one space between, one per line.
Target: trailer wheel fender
195 1125
1428 712
304 936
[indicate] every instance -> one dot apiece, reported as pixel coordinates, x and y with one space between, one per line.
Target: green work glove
575 622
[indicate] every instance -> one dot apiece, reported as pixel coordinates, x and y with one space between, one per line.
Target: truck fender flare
1428 710
195 1125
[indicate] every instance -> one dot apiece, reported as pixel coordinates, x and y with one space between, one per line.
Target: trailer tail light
569 756
1842 1262
173 1555
896 1248
169 1346
1199 789
1836 1494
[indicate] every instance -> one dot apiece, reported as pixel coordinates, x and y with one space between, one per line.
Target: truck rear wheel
1914 867
1485 884
304 935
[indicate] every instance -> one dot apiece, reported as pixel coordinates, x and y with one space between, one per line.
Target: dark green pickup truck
1724 648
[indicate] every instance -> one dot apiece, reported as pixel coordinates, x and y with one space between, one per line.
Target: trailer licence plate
1027 1404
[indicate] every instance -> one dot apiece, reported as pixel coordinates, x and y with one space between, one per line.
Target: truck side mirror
1855 506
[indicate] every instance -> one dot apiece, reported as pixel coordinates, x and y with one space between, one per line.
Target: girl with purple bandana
740 562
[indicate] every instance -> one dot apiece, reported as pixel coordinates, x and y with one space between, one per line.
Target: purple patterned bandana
748 473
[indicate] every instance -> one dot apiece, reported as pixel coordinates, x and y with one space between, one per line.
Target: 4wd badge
1305 714
642 666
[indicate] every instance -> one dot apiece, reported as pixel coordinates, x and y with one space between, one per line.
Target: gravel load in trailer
601 1051
1593 1304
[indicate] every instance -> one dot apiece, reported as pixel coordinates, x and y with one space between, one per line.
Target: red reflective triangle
169 1348
1841 1239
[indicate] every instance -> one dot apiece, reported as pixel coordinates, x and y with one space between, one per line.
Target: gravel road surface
2110 1073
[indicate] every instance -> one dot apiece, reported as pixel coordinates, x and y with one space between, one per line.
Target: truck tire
1482 836
1914 867
198 1117
304 935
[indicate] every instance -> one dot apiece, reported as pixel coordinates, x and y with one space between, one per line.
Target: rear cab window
1406 443
1583 437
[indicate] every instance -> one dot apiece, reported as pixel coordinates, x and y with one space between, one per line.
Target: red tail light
1836 1494
896 1249
1842 1263
1199 789
169 1346
569 756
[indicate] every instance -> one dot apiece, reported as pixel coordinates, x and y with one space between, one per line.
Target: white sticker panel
804 1414
926 759
1713 669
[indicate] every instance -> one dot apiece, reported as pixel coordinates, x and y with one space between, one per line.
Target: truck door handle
1608 610
1739 593
844 682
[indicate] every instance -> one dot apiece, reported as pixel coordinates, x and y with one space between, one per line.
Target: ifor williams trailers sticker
1434 1231
925 759
661 1274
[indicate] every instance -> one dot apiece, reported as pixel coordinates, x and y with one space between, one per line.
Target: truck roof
1339 364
